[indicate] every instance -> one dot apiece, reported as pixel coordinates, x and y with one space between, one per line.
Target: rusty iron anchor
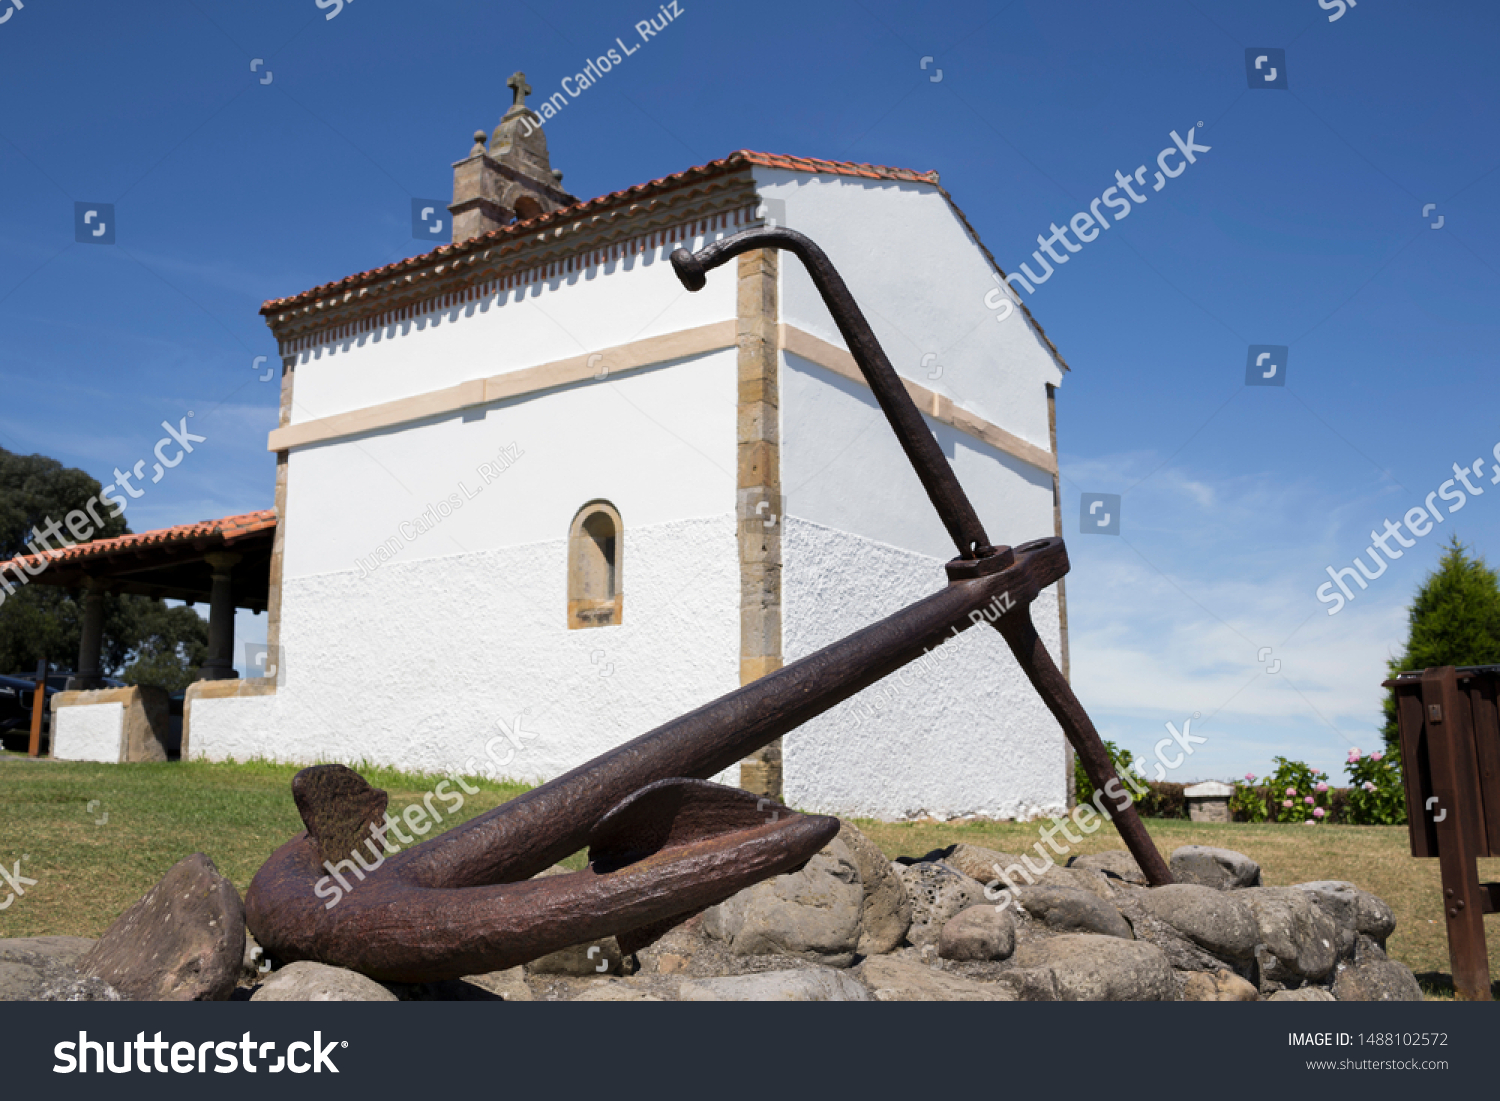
663 843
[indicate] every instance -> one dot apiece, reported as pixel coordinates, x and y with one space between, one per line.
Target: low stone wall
204 691
112 725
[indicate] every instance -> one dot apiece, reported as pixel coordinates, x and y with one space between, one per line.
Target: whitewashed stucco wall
921 282
411 654
584 311
962 734
842 467
414 664
968 735
658 444
88 732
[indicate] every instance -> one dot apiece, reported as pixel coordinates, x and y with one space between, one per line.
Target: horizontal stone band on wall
833 358
625 358
636 356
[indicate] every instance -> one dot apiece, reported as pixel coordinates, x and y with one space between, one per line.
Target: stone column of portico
220 663
91 645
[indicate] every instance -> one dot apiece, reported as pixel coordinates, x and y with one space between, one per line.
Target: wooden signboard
1450 759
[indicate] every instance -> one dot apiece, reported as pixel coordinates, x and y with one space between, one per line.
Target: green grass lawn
89 869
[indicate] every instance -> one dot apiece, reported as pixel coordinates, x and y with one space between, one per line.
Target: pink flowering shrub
1296 792
1296 781
1377 797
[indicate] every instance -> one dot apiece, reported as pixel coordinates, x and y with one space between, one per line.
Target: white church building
533 498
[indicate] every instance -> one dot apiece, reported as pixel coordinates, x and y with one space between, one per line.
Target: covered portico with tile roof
225 563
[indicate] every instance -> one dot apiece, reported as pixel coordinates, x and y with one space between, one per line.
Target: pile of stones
850 925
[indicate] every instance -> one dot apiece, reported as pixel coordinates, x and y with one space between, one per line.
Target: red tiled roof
223 531
737 159
837 168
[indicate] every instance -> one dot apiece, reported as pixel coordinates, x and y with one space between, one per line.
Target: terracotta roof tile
737 159
225 531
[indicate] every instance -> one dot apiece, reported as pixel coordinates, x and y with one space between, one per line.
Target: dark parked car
16 692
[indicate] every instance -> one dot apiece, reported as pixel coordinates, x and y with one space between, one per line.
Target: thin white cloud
1174 617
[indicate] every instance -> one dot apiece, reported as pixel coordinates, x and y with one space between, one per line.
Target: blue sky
1303 226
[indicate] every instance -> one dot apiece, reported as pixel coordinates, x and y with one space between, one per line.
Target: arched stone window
596 594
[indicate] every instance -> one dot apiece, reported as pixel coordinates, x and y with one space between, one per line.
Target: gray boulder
1068 910
999 871
1222 869
305 981
1376 980
1114 864
1340 901
600 957
40 969
184 941
615 990
980 933
1215 921
1302 994
902 979
812 914
937 894
887 911
509 985
1221 986
1085 967
1371 916
1298 940
1181 952
820 984
1374 919
1091 880
979 863
674 951
63 949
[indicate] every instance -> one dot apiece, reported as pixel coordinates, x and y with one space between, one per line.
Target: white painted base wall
934 747
413 665
88 732
966 735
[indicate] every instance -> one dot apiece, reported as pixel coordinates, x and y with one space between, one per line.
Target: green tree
34 488
1454 620
143 639
169 644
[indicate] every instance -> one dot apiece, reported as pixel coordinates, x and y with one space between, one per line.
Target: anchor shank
926 457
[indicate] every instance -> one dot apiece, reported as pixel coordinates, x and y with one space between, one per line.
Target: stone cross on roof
517 82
